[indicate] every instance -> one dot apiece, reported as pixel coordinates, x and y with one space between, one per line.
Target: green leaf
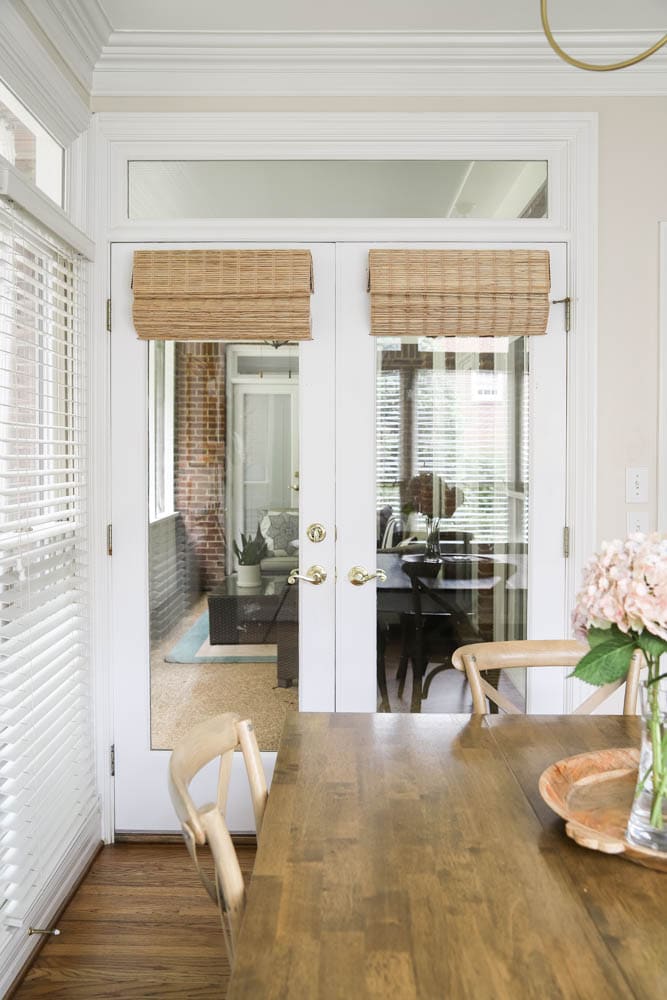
605 663
610 636
651 644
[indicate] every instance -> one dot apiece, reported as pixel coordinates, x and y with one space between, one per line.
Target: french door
208 454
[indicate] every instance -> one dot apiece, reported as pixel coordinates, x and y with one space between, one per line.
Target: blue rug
188 649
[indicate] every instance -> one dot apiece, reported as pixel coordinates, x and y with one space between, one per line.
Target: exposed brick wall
199 455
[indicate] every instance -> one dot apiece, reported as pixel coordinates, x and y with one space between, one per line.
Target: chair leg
418 667
382 676
404 655
404 659
428 680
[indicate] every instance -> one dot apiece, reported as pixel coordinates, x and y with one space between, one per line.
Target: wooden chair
217 737
479 657
436 624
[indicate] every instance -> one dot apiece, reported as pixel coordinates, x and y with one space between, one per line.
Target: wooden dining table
411 856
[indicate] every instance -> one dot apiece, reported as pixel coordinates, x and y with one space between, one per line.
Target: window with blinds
47 782
461 413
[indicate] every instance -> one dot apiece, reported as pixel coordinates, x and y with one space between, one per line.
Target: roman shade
222 294
458 293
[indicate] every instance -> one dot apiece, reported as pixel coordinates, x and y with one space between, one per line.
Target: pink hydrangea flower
625 584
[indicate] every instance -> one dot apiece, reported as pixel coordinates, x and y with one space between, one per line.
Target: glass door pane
223 535
452 428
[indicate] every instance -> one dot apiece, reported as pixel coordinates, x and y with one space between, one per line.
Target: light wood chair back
478 657
218 737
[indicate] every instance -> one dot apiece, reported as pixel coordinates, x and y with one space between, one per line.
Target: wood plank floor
140 925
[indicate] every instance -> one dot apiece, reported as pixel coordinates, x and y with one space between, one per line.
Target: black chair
436 624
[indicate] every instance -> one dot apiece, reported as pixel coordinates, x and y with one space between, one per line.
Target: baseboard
240 839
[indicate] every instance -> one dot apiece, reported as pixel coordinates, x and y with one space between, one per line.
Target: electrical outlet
637 521
636 485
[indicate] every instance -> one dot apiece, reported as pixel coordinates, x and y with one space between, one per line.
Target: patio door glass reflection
223 535
452 455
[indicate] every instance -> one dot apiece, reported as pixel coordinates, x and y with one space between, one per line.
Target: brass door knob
314 574
359 575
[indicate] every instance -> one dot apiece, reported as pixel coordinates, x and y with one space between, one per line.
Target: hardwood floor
140 925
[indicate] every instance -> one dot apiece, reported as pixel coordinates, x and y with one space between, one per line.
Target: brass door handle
359 575
314 574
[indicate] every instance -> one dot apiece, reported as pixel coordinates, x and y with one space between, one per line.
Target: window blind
461 428
47 781
458 293
222 294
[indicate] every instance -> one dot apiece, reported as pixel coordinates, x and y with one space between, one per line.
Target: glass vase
647 826
432 548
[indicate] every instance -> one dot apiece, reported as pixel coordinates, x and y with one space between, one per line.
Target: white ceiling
381 15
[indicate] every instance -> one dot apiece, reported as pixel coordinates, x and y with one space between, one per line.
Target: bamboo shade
222 294
458 293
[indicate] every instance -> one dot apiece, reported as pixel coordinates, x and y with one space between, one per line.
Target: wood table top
411 856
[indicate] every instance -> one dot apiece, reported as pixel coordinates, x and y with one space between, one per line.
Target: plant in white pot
249 554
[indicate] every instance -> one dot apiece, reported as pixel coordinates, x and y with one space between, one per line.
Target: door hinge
109 539
567 303
112 760
108 315
566 542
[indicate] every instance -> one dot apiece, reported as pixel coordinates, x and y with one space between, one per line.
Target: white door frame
567 140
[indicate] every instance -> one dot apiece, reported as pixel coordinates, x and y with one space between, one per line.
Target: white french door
141 799
344 378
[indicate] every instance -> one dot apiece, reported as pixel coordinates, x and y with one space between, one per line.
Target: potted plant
249 554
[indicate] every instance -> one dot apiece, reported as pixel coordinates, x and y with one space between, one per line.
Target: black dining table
455 580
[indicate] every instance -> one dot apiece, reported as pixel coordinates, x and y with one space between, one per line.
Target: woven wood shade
458 293
222 294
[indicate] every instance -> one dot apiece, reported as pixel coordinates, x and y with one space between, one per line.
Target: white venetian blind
461 424
47 786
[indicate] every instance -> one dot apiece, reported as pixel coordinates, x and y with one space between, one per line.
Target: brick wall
199 455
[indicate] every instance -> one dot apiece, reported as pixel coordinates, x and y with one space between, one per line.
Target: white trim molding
662 385
14 187
38 78
306 63
78 31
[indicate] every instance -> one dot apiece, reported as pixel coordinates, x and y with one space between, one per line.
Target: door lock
316 532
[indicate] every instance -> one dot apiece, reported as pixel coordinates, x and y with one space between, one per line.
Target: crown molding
383 63
78 32
38 78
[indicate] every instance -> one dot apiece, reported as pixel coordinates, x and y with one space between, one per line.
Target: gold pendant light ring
596 67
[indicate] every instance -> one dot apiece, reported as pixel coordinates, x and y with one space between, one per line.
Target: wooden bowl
593 792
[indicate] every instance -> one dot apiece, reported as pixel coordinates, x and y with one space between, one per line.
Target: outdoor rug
194 647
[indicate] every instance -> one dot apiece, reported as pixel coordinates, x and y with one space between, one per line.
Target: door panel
481 423
183 434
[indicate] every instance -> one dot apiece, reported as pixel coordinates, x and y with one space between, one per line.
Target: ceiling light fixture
596 67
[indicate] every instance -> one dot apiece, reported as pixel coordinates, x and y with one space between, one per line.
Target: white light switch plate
638 521
636 484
